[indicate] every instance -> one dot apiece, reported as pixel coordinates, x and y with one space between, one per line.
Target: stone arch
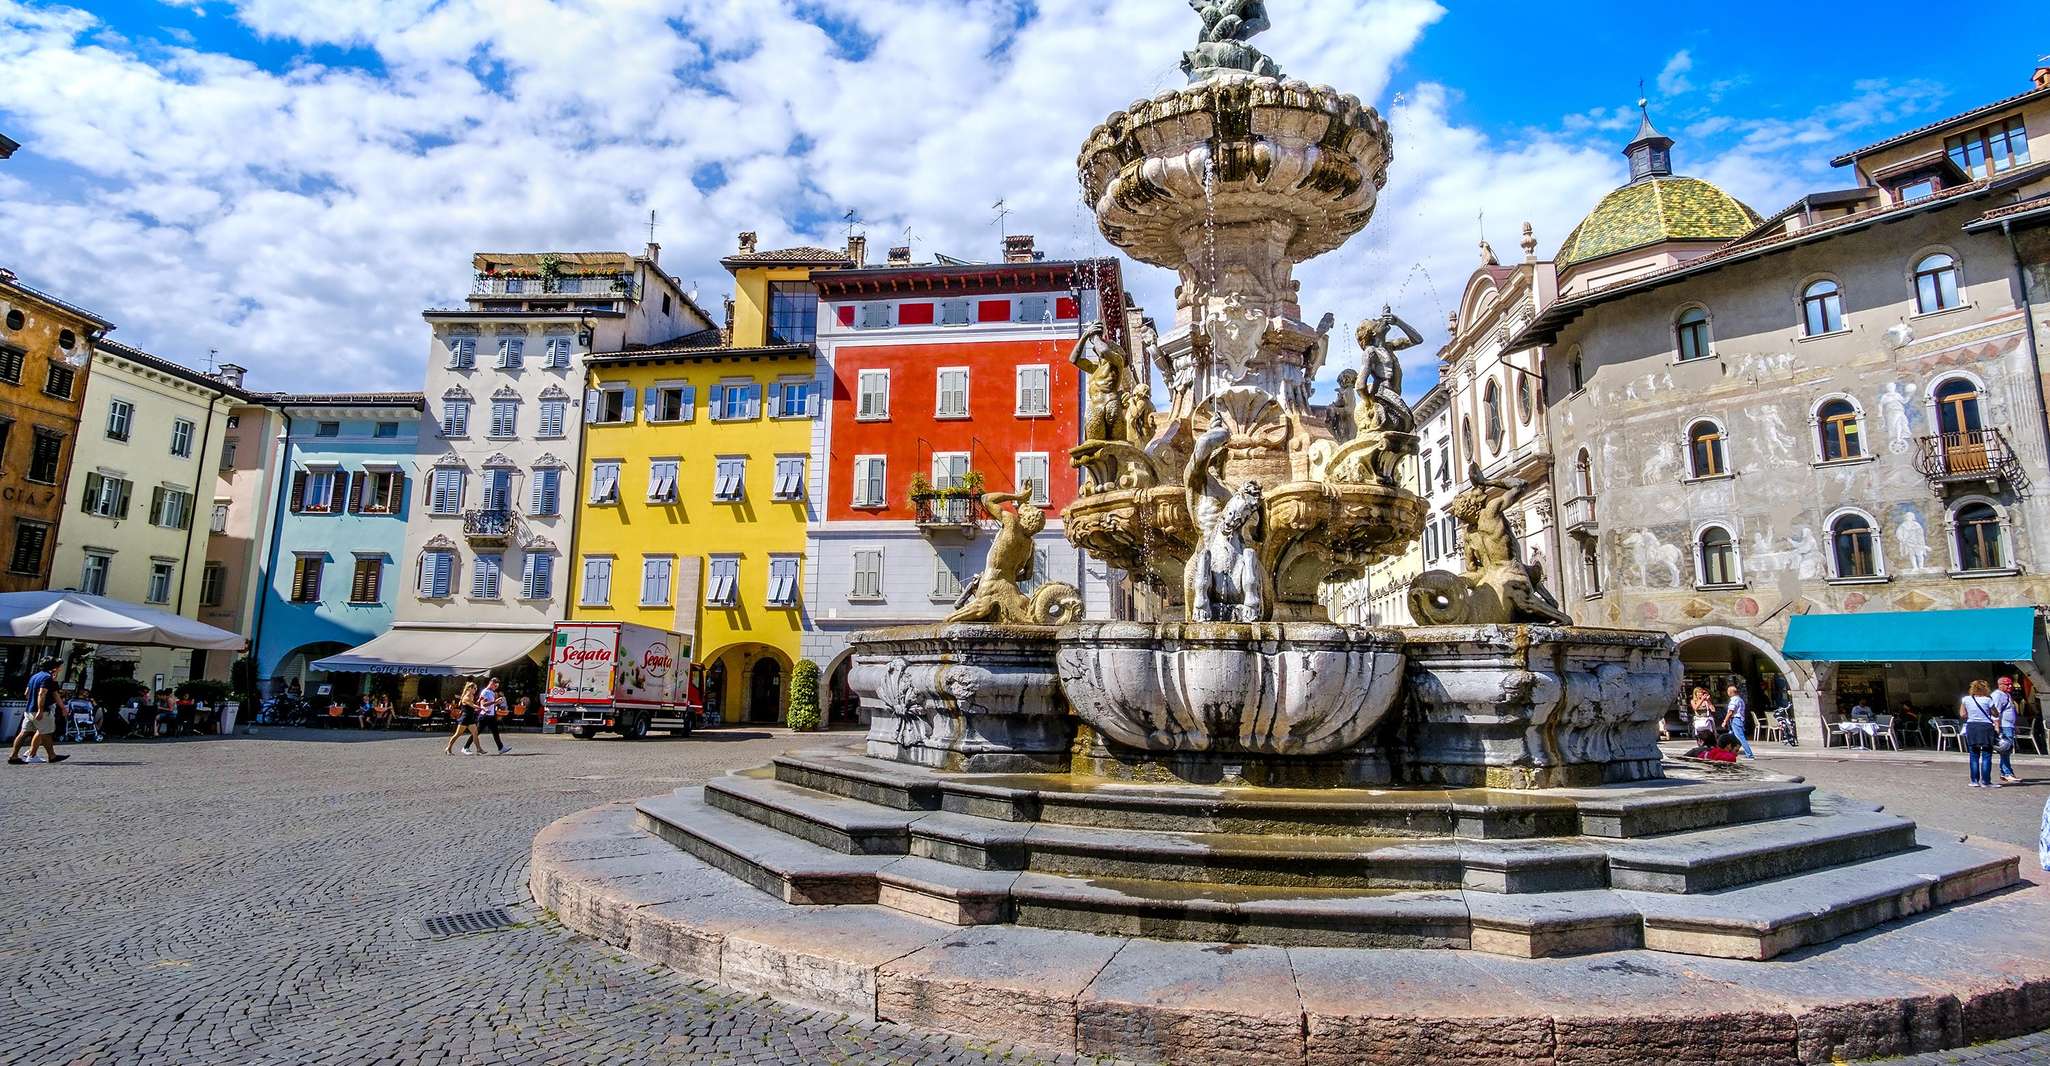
740 659
1808 684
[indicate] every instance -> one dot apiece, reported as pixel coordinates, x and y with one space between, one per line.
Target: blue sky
291 183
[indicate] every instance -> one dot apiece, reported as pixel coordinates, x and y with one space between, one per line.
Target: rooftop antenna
1003 211
853 219
1643 102
211 355
651 225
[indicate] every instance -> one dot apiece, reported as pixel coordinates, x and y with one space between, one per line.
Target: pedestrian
489 703
2009 718
1979 714
466 721
1733 720
39 722
1701 713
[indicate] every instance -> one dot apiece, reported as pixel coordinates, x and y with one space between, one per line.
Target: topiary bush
804 696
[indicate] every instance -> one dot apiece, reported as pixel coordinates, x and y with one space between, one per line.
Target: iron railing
1971 455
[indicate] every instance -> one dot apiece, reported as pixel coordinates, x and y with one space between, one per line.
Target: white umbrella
103 620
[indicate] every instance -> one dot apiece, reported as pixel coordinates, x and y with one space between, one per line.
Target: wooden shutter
92 490
353 502
121 503
690 403
156 506
298 491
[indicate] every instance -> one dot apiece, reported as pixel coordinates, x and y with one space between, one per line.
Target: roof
1653 211
799 256
567 312
569 262
7 146
9 282
704 338
166 366
920 277
2033 209
678 352
343 399
1561 312
1959 119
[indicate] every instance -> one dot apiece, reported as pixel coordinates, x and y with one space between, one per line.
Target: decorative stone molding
964 696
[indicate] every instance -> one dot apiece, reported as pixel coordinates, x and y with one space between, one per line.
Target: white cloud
1673 79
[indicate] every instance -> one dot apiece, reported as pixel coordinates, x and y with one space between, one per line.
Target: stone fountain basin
1269 688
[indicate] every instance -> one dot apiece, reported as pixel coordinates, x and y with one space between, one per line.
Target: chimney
857 249
654 253
747 241
230 374
1018 248
900 255
2042 77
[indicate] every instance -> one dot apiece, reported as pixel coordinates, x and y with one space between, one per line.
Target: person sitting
1704 742
1725 750
1861 711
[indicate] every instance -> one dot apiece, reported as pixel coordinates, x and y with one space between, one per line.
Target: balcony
512 288
950 515
1974 458
1579 518
493 528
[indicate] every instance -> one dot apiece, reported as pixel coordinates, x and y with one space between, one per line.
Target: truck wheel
580 734
635 729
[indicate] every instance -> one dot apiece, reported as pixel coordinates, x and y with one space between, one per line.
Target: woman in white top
1980 715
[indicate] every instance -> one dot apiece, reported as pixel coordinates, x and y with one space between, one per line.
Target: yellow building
697 485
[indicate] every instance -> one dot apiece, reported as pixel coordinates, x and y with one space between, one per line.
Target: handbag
2005 745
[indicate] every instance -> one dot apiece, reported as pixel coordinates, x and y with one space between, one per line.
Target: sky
288 184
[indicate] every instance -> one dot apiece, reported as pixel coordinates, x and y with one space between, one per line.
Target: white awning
444 652
104 620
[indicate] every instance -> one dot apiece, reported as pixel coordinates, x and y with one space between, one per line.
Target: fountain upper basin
1270 688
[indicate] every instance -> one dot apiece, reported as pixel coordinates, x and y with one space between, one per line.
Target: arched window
1525 399
1936 283
1590 569
1491 410
1583 474
1716 555
1957 407
1466 438
1691 329
1822 308
1576 372
1981 541
1837 421
1854 546
1705 456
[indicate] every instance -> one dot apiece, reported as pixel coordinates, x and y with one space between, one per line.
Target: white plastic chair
2027 735
1947 730
1882 729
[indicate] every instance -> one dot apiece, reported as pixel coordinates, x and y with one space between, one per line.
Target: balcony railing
576 285
947 513
1979 455
1580 516
489 526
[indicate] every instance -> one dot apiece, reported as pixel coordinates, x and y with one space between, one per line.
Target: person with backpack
1980 715
40 722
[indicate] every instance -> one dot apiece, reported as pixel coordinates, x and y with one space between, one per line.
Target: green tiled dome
1653 210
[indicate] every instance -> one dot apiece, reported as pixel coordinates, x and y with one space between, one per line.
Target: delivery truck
618 677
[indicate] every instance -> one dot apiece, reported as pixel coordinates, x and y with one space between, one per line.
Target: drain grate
470 922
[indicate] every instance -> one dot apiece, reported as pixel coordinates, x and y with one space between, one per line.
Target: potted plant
804 696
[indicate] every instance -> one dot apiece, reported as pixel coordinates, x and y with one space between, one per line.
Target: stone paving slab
1200 1003
1014 984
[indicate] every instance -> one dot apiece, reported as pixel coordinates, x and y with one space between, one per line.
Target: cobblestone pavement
259 900
1932 788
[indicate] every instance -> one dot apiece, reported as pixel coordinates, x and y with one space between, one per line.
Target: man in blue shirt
39 724
1733 721
2006 721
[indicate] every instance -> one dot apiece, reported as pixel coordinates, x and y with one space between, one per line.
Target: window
605 481
1691 331
106 496
66 339
734 401
1853 547
437 573
946 584
1032 476
539 582
1717 557
665 303
462 352
1034 390
1035 308
556 355
170 508
15 319
873 391
1466 437
1525 405
181 438
672 403
1705 450
790 399
1822 308
957 312
868 480
1990 149
45 457
305 578
655 571
1915 190
782 580
597 582
662 481
381 493
874 314
484 577
455 418
313 491
327 429
29 541
1936 283
213 584
512 351
789 477
729 482
1576 371
160 573
120 419
60 380
445 495
546 498
92 580
12 360
1980 540
553 414
367 584
793 312
498 489
1957 416
386 431
228 447
1491 412
1838 422
505 418
1590 568
952 392
949 469
725 582
868 575
612 404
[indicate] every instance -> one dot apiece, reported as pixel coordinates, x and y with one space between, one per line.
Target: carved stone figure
1497 586
1383 406
1105 365
1340 417
1914 541
1227 25
1224 579
994 595
1235 330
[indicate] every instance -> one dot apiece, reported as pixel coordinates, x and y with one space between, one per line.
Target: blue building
343 473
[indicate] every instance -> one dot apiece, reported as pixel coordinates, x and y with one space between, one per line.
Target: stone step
1649 808
1705 860
792 870
883 783
1551 924
1240 914
1771 918
856 827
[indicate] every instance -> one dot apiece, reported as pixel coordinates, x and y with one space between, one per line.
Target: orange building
45 354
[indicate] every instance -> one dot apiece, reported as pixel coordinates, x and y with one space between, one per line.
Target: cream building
141 480
239 517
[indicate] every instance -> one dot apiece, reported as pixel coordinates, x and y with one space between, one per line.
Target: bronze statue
1381 405
1496 586
1227 25
994 595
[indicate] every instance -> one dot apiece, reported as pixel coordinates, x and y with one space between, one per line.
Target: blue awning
1989 634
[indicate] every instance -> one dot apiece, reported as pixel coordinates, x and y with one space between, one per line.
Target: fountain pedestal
968 697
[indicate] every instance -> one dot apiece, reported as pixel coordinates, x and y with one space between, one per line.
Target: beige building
239 518
1838 411
134 527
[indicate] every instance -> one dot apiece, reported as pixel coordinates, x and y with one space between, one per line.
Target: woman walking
466 722
1979 714
489 704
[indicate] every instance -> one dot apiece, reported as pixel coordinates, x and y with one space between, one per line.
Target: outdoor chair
1770 729
1882 729
1947 730
1846 731
2027 735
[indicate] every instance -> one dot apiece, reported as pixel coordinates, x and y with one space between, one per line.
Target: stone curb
1940 980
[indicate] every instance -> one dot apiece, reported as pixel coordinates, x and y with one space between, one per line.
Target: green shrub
804 696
